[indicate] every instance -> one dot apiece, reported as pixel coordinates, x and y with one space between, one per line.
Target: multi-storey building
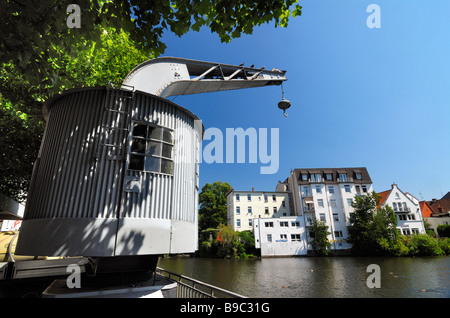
406 208
326 194
245 206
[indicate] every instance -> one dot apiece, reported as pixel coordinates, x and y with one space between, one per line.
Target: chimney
253 189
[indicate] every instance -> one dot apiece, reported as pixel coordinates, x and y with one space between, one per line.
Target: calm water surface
319 276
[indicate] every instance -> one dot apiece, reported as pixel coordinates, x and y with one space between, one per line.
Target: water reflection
320 276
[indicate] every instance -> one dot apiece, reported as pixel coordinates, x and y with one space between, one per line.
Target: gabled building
406 208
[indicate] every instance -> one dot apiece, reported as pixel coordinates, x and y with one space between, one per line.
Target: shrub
443 230
424 245
396 247
444 244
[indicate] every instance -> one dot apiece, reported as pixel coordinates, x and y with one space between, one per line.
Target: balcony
309 210
402 210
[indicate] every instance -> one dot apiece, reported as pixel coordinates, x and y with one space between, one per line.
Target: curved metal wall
79 203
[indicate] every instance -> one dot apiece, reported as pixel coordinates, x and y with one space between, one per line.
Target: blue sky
377 98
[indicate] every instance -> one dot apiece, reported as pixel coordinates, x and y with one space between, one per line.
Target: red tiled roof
426 209
384 195
440 206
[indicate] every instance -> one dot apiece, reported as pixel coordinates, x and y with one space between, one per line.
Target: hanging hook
283 103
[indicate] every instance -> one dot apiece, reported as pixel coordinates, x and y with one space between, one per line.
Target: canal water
304 277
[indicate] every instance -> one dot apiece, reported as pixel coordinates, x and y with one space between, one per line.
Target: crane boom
170 76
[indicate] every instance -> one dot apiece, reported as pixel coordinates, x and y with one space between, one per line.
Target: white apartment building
284 236
406 208
327 194
245 206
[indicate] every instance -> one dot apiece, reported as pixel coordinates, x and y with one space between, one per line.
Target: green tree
319 234
213 205
371 224
34 32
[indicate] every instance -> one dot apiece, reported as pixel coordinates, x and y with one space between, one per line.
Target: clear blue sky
377 98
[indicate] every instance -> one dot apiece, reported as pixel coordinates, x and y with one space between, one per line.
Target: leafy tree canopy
213 205
371 223
33 33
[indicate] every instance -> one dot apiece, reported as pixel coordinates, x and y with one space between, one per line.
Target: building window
338 234
295 237
237 196
406 232
269 237
415 231
364 188
250 222
284 224
349 202
238 222
304 177
249 197
283 237
238 210
283 203
316 177
295 223
358 176
265 198
336 217
268 224
411 217
402 217
266 210
333 203
151 149
331 189
358 190
275 209
274 198
329 176
347 188
318 189
320 202
343 177
249 209
322 216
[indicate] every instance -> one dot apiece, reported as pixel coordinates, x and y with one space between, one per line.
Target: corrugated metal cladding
84 189
162 196
74 176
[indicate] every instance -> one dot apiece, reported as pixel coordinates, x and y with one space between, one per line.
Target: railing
191 288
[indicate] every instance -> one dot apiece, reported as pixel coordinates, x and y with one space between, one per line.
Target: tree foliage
213 205
370 224
34 32
319 235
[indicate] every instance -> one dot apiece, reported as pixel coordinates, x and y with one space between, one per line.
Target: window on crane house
151 149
